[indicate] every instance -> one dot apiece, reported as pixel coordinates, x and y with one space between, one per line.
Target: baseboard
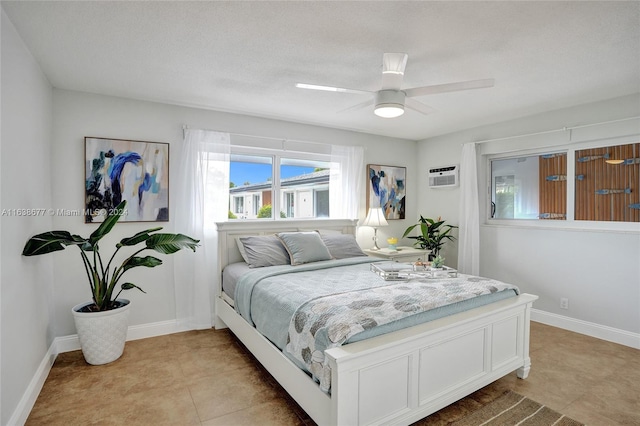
598 331
21 413
134 332
71 343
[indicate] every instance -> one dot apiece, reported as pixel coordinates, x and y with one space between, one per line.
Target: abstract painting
135 171
387 189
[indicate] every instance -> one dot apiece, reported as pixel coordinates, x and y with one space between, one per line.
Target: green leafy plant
437 262
433 234
265 212
102 277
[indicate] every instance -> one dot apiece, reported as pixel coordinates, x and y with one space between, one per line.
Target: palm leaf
106 226
148 261
51 241
138 238
129 286
408 231
171 243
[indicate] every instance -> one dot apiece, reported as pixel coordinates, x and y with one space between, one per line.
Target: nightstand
402 254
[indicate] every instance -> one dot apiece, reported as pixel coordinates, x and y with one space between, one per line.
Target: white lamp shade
375 218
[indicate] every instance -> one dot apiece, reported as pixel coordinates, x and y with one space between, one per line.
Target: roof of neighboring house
321 176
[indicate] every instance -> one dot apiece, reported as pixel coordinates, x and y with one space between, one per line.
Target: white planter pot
102 334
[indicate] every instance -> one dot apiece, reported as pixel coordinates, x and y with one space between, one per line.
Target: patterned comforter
329 321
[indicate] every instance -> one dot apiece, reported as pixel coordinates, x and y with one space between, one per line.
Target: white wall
599 271
26 283
77 115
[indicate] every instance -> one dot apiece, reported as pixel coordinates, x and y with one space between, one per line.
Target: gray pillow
304 247
264 250
342 245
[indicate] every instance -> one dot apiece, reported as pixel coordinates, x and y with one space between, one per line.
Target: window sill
564 225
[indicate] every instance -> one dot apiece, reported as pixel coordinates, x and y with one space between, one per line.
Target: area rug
513 409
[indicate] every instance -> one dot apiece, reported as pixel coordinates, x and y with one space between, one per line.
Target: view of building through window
300 189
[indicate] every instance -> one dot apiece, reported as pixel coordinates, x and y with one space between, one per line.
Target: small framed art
135 171
387 189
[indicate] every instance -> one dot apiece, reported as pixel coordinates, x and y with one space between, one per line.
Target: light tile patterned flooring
207 378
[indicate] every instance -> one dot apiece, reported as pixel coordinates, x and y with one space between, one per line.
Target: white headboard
228 232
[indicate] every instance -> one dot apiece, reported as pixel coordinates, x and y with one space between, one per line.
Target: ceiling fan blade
331 89
393 65
418 106
358 106
450 87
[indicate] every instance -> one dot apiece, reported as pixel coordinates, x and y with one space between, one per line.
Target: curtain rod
564 129
283 140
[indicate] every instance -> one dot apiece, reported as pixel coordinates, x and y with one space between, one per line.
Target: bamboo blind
553 186
598 175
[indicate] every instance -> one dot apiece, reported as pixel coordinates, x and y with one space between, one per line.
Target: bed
395 378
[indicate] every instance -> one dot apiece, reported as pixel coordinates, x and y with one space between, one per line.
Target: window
322 203
604 183
608 183
289 203
238 205
256 204
301 188
250 178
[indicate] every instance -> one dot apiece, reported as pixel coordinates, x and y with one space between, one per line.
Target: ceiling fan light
389 103
389 110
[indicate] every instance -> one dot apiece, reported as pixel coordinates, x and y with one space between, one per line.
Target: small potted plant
433 234
102 323
437 262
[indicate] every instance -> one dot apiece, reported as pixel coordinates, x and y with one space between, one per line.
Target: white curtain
201 199
469 219
345 181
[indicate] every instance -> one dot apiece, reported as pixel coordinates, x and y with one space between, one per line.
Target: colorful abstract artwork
387 189
135 171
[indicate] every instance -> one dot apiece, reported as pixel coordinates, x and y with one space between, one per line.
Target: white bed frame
396 378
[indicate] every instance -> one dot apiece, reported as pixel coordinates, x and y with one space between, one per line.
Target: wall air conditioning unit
443 177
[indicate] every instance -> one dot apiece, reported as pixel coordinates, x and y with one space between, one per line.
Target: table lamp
375 219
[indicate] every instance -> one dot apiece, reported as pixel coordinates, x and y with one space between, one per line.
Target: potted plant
102 323
433 234
437 262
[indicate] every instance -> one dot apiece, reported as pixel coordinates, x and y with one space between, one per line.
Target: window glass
529 187
604 182
301 180
301 189
250 186
322 203
608 183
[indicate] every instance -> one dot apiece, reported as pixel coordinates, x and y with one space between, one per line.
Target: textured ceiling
246 57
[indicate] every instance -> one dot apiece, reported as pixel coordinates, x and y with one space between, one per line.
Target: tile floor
207 378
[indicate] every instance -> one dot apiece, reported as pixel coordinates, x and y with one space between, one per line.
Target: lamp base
375 239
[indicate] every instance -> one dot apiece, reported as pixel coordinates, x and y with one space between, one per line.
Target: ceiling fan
391 100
